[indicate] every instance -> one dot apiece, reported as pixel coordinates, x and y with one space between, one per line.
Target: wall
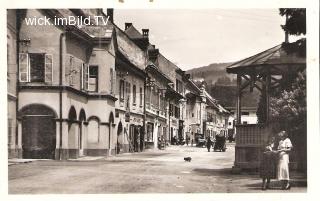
11 82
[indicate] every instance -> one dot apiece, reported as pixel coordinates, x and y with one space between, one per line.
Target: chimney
110 14
127 25
145 33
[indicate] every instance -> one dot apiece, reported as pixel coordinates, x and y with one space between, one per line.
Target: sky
195 38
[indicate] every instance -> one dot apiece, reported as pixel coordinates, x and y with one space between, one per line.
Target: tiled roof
129 49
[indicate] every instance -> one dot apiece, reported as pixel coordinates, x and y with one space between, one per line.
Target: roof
213 102
129 49
133 33
164 65
273 56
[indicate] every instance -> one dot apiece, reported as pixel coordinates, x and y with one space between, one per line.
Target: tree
295 25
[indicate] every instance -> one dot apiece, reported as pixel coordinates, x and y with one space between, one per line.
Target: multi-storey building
93 90
66 87
12 30
216 118
195 110
130 68
159 88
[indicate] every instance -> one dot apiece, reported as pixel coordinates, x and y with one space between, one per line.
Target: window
134 95
149 136
112 81
35 67
141 97
84 77
245 122
244 113
93 78
128 93
121 90
179 87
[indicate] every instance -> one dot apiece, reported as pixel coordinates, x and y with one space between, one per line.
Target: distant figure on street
268 165
209 143
192 142
187 140
284 149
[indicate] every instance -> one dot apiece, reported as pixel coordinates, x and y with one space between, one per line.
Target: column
239 99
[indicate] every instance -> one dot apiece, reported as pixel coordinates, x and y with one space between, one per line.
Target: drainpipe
169 124
17 79
144 114
62 37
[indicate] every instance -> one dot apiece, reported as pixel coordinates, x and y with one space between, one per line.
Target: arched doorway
119 131
38 131
111 121
73 133
82 119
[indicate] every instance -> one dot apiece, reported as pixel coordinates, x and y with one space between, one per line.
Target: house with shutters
66 87
130 65
163 91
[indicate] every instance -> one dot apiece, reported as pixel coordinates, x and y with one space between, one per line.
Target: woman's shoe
268 186
288 186
264 187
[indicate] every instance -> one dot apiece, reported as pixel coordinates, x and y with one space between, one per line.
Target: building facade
95 90
12 30
66 91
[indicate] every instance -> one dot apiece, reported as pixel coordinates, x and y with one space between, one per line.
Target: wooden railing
250 139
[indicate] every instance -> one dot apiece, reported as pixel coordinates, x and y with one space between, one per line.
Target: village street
162 171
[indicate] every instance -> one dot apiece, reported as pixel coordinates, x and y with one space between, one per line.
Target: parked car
200 140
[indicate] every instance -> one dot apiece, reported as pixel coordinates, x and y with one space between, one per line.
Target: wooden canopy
265 71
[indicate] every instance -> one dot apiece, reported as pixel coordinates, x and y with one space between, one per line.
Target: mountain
222 85
211 73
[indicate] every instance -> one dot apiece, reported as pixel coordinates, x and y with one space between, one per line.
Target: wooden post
239 99
268 83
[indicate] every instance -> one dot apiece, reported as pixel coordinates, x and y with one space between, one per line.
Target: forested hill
221 85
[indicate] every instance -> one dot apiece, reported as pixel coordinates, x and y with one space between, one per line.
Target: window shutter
48 68
111 81
114 81
86 77
23 67
81 77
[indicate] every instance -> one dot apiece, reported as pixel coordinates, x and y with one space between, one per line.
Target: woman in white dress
284 148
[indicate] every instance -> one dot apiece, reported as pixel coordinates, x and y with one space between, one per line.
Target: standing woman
268 165
284 149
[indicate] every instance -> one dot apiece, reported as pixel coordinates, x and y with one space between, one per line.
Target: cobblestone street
163 171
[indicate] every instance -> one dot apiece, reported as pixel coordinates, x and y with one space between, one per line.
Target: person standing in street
187 140
209 143
284 149
268 165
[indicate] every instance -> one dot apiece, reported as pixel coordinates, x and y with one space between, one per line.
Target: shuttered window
35 67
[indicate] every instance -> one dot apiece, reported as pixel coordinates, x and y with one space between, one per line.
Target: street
161 171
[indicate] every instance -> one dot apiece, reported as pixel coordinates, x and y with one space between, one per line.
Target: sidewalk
14 161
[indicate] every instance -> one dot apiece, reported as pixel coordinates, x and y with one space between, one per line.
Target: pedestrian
268 165
187 140
209 143
192 142
284 149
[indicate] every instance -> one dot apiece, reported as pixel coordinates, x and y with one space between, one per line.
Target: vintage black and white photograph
117 101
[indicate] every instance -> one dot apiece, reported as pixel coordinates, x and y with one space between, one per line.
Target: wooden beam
268 81
239 99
